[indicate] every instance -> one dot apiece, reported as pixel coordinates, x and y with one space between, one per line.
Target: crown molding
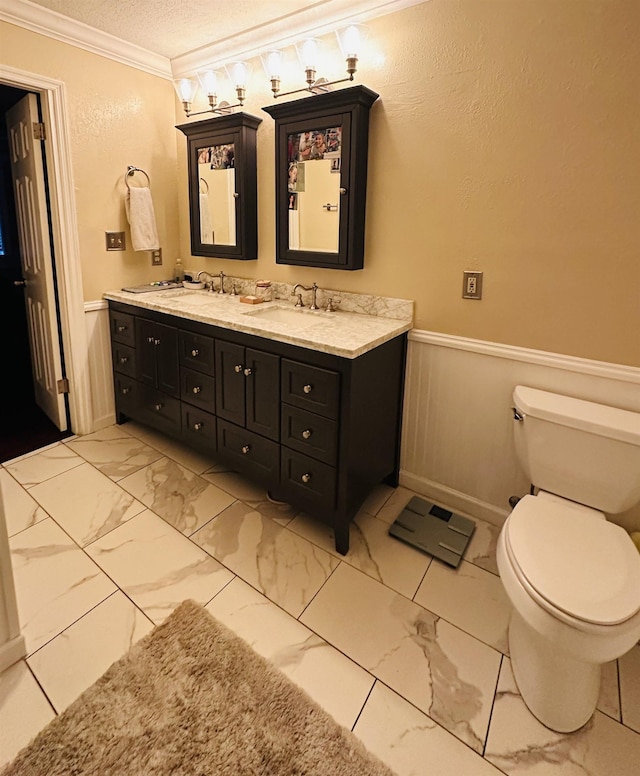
313 22
54 25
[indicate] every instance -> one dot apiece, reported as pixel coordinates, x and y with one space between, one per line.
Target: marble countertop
341 333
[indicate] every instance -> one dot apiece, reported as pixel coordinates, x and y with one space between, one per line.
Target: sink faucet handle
299 302
332 305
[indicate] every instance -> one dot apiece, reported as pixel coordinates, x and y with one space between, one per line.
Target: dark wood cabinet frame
239 129
349 109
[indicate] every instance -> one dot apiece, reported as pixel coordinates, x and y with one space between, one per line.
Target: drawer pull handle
158 407
123 359
307 433
247 371
246 449
308 388
196 389
195 352
122 328
306 477
197 426
125 391
237 368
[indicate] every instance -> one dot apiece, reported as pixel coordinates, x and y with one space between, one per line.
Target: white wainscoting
457 444
99 364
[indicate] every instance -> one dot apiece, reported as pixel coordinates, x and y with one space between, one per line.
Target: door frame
64 229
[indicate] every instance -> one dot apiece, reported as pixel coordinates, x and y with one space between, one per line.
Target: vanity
306 403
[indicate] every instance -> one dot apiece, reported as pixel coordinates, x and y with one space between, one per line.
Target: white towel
142 219
206 226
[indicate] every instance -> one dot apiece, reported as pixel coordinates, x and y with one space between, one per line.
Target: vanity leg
341 532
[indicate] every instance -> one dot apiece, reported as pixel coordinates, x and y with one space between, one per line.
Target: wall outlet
115 241
156 257
471 285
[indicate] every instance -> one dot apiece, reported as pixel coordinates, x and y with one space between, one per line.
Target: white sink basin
292 317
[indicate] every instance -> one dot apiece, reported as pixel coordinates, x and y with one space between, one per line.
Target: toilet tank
586 452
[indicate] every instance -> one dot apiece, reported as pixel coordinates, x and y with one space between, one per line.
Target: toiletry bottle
178 272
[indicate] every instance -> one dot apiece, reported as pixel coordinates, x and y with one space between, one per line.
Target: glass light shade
308 53
186 88
238 74
272 63
208 81
350 40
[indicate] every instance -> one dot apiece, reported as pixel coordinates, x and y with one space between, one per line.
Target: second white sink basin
292 317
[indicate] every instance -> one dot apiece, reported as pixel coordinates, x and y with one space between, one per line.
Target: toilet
573 577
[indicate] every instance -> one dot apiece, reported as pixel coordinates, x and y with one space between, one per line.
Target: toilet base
560 691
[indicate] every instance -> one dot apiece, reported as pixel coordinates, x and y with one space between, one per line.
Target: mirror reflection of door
217 197
313 183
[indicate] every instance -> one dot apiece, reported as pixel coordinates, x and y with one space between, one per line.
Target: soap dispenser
178 272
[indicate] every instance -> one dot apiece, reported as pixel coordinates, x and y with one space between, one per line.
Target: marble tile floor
109 532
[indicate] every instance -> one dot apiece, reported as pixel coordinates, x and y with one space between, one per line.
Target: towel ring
131 170
206 186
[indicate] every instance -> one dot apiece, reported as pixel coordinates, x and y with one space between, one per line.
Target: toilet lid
582 565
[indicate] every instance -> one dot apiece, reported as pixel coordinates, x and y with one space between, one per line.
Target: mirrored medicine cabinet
223 186
321 178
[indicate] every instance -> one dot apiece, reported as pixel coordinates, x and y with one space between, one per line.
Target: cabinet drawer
248 452
309 433
311 388
124 359
196 352
127 392
197 388
122 328
309 479
160 410
199 427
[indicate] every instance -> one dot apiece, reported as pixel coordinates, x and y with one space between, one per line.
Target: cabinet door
230 382
262 373
157 356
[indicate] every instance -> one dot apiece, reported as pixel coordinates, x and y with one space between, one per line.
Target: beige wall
506 139
118 116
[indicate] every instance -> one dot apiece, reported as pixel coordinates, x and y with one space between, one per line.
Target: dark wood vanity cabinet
316 430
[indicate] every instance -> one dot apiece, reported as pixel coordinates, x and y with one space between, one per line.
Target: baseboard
453 499
12 651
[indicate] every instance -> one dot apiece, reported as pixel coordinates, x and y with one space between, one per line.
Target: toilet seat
577 566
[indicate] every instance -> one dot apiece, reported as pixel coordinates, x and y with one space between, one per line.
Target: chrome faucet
314 290
209 282
221 276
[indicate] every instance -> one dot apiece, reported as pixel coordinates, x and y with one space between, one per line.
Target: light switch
115 241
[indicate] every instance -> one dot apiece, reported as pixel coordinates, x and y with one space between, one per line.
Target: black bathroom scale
433 529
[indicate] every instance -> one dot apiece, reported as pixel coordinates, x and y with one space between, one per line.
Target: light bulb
274 64
208 81
309 53
351 42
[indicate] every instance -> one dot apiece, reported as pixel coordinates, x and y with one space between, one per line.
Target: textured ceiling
175 27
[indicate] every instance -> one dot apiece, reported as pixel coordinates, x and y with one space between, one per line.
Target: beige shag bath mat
193 698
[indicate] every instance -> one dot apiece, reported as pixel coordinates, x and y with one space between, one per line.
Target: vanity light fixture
349 40
187 88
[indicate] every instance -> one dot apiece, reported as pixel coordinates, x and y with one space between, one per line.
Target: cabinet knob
306 433
195 352
196 389
156 341
197 426
158 407
247 371
125 391
150 340
122 328
124 359
308 388
246 449
237 368
306 477
343 190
